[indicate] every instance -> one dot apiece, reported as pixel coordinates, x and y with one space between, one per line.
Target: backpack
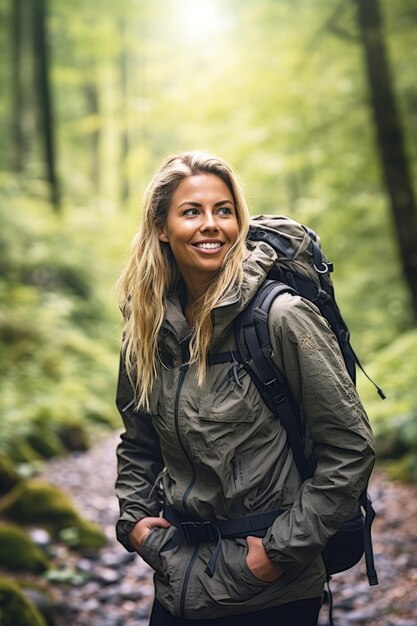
301 269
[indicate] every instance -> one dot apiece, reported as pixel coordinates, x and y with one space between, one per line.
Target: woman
209 438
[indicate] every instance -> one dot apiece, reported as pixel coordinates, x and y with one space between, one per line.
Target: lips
208 245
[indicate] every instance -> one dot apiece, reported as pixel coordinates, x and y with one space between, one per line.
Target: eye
191 211
225 210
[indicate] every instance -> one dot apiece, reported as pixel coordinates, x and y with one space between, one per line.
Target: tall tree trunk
125 142
390 139
23 122
42 84
16 44
91 93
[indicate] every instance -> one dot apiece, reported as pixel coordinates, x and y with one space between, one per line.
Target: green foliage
18 553
15 608
57 357
67 576
395 419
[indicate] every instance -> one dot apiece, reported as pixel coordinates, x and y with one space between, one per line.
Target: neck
194 292
196 285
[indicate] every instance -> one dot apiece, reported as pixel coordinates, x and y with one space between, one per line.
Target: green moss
46 443
15 608
85 536
8 475
74 436
18 553
37 502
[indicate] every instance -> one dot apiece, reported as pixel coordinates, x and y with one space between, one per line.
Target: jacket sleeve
139 462
306 351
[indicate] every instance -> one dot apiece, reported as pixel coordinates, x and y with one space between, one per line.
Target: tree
22 118
16 42
390 139
93 106
43 92
125 139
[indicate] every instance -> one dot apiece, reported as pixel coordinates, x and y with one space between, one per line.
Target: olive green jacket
226 456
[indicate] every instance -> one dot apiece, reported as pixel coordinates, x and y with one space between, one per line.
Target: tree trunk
124 143
91 93
390 140
17 122
43 90
22 118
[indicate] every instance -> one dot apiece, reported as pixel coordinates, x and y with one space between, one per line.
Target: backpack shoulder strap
253 344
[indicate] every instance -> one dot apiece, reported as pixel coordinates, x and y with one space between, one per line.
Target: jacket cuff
123 528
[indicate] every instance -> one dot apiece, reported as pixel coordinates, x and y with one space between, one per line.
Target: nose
209 222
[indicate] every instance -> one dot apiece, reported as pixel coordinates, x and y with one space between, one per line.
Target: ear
162 233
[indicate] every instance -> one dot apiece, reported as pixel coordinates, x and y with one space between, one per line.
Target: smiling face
201 227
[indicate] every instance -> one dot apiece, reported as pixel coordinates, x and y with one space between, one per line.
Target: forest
314 104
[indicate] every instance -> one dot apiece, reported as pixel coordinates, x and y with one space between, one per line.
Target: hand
259 562
142 529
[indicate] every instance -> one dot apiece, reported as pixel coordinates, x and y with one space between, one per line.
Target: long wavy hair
151 271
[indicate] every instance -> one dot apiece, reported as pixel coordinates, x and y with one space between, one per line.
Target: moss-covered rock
45 442
42 600
8 475
18 553
74 436
38 502
15 608
85 536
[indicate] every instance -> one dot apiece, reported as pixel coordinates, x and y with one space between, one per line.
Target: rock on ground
114 588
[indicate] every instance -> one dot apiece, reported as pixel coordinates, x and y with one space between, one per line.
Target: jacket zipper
183 373
186 581
234 469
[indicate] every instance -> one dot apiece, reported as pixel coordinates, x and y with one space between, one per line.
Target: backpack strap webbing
252 340
366 503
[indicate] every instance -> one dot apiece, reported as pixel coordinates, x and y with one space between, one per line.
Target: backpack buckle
198 532
276 398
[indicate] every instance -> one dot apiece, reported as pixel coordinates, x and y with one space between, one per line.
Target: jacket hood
259 260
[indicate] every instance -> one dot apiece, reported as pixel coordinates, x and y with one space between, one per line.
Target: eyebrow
198 204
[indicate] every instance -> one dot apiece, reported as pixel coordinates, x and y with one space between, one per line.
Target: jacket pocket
253 580
150 551
232 402
233 581
247 573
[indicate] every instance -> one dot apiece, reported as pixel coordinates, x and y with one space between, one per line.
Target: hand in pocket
142 529
259 562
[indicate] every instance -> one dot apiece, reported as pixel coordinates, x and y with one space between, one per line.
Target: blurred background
313 102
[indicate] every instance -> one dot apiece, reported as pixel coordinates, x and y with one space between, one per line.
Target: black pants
300 613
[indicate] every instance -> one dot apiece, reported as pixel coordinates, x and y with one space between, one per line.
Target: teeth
208 246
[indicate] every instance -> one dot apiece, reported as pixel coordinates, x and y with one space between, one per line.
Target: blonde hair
151 271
